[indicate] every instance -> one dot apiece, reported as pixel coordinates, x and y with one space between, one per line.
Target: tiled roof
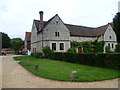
37 23
28 36
101 30
44 22
76 30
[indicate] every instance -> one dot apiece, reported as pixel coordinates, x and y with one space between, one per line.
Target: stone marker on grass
27 62
73 74
36 67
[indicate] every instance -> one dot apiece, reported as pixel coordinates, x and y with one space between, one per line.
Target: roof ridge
80 26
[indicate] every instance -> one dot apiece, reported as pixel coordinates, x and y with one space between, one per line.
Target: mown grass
59 70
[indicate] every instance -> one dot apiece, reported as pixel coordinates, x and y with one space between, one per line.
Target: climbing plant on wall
89 46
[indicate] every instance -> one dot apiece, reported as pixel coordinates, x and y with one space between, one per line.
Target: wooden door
79 49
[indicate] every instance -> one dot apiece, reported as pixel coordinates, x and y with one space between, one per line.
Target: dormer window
57 34
110 37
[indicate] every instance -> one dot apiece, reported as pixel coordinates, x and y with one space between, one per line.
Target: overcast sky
16 16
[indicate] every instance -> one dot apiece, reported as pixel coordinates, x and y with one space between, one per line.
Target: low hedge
98 59
36 54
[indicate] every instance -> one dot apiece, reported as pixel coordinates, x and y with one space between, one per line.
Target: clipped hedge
71 50
98 59
36 54
46 50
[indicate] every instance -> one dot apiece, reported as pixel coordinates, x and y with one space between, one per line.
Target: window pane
53 46
110 37
55 33
35 49
58 33
61 46
112 45
109 44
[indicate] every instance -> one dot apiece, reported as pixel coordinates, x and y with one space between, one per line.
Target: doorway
80 49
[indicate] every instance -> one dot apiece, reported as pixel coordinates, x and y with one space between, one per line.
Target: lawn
59 70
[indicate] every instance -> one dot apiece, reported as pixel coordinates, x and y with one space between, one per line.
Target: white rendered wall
82 39
110 41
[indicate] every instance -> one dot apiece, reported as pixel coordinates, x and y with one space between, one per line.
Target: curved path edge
16 76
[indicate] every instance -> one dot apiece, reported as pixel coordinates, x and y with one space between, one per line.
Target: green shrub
47 51
71 50
32 54
117 49
98 59
107 49
36 54
98 46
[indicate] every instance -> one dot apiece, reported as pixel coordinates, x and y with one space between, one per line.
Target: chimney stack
41 20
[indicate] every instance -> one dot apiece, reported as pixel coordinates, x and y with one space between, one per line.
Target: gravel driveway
15 76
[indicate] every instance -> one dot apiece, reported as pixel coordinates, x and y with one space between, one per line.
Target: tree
16 44
117 49
116 26
5 41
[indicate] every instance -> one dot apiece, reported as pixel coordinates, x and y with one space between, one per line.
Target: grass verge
59 70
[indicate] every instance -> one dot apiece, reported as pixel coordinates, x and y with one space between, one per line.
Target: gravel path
15 76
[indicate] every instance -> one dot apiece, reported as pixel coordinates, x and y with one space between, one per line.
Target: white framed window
110 37
109 44
61 46
53 46
57 34
112 45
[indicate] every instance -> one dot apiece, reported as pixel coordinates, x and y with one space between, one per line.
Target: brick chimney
41 20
